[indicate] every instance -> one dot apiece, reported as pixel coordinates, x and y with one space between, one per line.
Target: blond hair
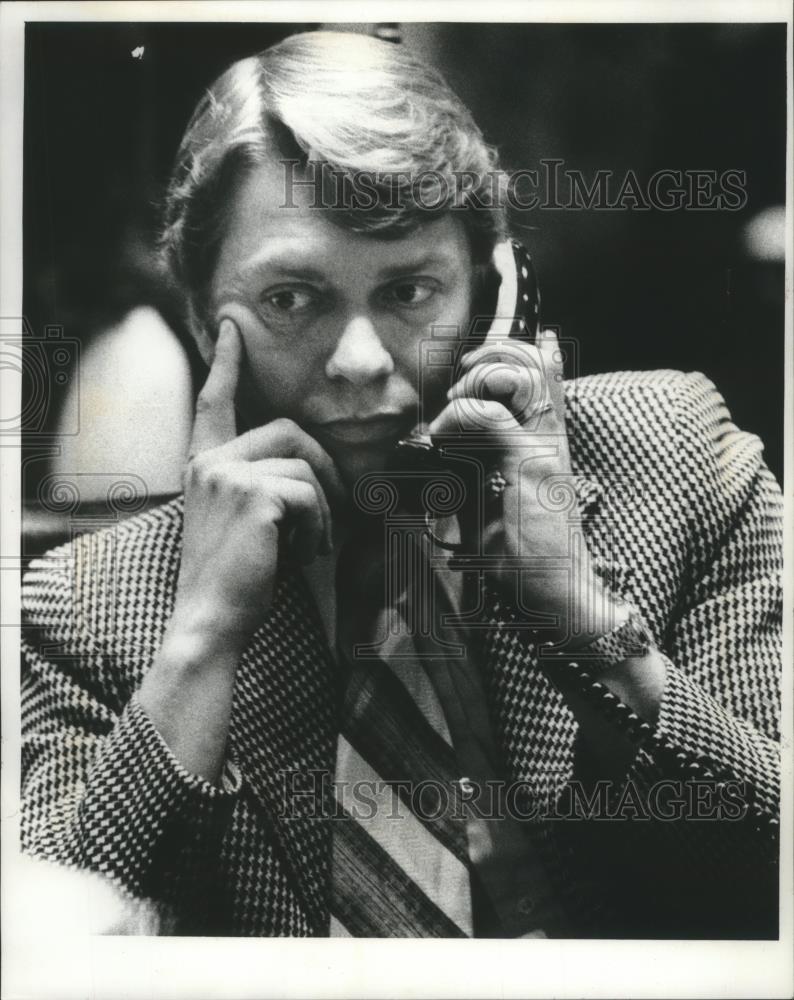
356 106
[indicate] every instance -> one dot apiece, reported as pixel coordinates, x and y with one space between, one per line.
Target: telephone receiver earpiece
510 303
507 307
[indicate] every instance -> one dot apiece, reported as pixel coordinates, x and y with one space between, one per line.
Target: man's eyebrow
426 262
297 264
288 264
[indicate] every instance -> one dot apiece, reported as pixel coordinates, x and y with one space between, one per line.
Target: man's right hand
244 498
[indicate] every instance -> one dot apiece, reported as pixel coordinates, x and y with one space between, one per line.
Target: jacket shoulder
665 440
665 390
656 423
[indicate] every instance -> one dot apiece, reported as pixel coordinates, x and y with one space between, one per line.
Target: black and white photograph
394 448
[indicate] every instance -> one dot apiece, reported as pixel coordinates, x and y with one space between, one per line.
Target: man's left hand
510 399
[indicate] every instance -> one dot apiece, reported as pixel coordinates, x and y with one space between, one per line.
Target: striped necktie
401 860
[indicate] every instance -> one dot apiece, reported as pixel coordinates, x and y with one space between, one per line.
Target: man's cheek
257 398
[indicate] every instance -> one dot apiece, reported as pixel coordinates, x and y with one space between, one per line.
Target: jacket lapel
283 734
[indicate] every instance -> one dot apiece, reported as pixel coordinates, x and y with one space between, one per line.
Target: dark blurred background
106 104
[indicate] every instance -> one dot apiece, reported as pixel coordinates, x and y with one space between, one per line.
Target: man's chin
353 463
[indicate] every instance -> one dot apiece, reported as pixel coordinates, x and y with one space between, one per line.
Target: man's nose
359 356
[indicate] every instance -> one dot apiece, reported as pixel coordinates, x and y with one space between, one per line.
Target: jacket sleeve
101 790
705 778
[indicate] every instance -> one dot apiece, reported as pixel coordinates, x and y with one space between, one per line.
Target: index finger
504 350
215 422
553 363
512 374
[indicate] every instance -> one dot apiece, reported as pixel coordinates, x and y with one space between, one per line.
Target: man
593 706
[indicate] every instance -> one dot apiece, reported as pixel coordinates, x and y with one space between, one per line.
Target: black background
635 289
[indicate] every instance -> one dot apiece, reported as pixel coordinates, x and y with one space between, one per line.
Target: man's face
331 320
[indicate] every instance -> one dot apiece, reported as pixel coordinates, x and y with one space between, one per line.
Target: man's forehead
270 230
259 198
409 253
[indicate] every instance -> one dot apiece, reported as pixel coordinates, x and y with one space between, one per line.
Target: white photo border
106 968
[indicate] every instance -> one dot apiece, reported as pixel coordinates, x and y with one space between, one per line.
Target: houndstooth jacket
678 509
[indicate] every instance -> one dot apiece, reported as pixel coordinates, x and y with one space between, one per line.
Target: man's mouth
376 428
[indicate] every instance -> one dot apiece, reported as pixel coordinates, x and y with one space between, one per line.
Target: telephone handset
508 307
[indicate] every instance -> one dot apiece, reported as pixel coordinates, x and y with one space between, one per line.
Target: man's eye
288 300
411 293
